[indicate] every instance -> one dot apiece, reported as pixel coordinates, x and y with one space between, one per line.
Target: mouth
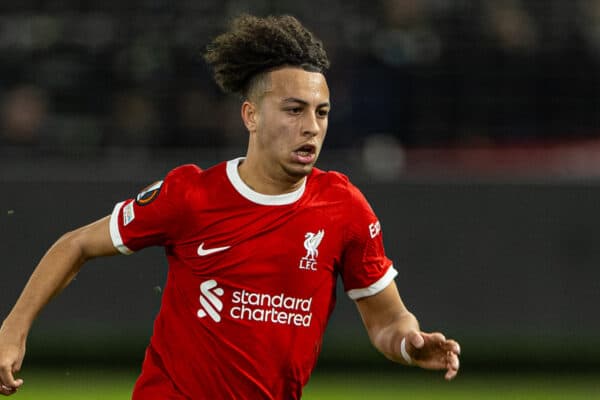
305 154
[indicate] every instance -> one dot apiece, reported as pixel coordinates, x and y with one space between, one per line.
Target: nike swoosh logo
205 252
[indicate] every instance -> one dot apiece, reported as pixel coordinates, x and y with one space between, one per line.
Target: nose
310 125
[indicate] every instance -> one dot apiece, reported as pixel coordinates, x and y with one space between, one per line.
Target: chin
299 170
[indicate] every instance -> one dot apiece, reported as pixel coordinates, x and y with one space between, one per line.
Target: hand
433 351
8 383
11 358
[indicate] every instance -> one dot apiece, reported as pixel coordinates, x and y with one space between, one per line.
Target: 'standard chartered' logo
311 244
279 309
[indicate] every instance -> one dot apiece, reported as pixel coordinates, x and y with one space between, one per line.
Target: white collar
259 198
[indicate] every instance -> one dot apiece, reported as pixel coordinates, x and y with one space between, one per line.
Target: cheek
324 126
277 132
281 131
274 137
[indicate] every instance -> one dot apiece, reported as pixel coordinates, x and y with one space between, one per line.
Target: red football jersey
251 281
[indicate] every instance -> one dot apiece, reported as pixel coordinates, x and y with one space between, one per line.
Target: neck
263 180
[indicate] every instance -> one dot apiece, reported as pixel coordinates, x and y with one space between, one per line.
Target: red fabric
276 293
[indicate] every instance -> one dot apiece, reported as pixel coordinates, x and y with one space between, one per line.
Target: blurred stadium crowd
90 74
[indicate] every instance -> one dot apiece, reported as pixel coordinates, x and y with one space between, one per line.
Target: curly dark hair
255 45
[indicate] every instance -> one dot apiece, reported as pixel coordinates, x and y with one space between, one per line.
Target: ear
249 115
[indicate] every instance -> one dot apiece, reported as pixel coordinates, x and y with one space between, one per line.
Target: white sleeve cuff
376 287
115 235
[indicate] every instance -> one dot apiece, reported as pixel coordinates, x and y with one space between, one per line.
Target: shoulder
184 172
192 174
178 181
332 179
338 184
190 183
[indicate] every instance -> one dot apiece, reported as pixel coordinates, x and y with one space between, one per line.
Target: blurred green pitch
113 384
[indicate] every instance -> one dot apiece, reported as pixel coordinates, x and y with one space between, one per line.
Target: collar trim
259 198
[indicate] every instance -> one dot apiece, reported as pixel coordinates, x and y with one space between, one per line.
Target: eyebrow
304 102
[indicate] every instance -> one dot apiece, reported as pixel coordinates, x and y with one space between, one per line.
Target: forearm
387 321
55 270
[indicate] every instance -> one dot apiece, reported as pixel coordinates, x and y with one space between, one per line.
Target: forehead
291 82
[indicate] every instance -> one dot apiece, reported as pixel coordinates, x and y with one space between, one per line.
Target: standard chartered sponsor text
277 309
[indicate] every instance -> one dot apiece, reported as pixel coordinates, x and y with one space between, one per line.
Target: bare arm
388 322
55 271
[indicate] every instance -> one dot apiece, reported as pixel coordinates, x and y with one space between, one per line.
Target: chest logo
311 244
205 252
210 301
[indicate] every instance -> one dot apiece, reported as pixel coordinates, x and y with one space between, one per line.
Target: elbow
88 242
71 245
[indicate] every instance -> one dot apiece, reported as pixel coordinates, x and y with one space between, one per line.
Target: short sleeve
365 268
152 217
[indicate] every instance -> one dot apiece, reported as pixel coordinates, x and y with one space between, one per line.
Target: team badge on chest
311 244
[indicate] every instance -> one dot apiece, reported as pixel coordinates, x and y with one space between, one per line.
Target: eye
324 112
294 110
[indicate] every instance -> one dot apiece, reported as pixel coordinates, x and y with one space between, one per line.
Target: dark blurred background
93 74
472 127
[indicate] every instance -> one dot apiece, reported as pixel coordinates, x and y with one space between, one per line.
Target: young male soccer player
254 244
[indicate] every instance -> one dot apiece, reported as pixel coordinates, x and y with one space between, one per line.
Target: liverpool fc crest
311 244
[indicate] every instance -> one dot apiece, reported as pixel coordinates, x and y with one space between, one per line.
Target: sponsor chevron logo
210 301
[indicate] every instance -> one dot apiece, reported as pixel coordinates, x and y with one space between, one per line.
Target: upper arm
93 240
154 216
365 269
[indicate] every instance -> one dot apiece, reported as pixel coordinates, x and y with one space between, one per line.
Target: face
289 122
